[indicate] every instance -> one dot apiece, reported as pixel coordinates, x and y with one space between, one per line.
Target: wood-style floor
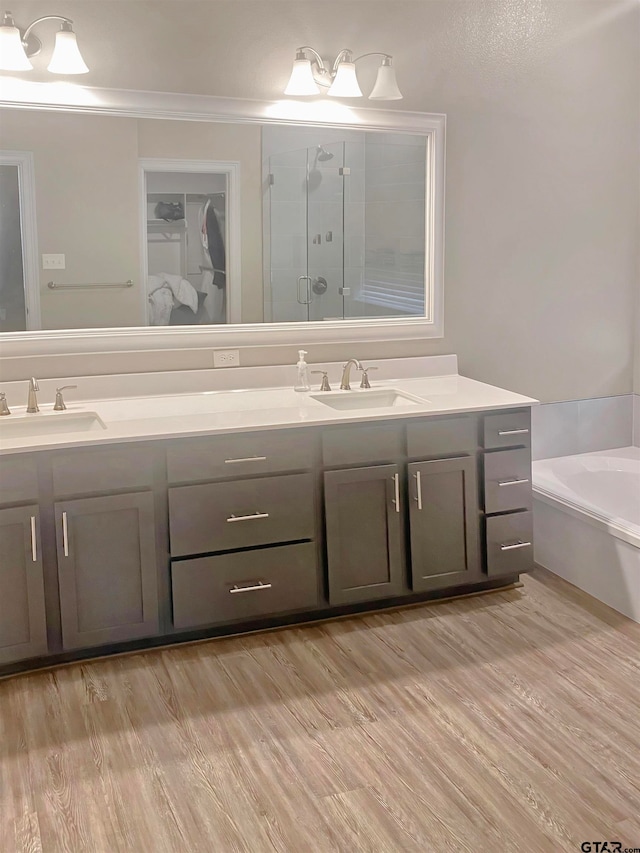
507 722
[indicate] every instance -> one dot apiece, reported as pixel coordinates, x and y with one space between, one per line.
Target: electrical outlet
226 358
53 262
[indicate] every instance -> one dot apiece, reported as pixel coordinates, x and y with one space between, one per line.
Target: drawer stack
508 525
243 535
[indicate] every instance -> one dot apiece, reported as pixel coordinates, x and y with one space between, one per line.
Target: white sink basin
373 398
49 423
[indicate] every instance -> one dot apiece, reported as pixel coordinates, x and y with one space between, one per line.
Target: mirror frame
16 93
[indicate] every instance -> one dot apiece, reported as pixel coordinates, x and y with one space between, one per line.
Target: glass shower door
286 267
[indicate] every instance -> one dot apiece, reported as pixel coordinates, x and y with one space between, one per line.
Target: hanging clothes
214 279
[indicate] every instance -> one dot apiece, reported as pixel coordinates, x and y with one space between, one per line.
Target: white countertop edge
454 394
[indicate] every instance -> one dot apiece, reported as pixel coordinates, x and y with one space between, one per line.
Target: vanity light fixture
18 46
309 73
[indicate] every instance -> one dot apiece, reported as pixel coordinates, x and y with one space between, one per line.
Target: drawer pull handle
418 497
515 545
396 492
248 517
253 588
34 547
516 482
65 535
513 432
246 459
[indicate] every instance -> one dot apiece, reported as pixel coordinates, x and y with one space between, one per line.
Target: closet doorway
19 274
190 242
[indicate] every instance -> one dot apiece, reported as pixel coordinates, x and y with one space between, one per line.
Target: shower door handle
308 280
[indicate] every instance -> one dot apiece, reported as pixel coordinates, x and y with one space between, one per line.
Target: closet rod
95 286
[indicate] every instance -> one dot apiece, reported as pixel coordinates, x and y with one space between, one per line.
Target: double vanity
148 520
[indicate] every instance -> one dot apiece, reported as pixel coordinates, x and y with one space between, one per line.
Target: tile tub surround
584 426
587 523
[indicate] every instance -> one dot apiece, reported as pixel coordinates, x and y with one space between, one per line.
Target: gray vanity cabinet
364 533
107 571
23 630
443 523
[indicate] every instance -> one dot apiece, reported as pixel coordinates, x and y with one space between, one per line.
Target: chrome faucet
32 400
346 373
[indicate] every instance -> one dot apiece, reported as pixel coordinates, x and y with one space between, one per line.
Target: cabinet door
444 523
23 630
364 546
107 569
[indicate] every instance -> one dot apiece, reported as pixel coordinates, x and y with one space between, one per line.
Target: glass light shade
66 58
12 55
386 86
301 81
345 83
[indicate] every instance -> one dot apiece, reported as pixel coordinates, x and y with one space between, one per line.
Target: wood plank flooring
506 722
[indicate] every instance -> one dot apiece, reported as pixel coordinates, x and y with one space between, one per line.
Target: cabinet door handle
65 535
246 459
418 497
248 517
513 431
515 545
253 588
34 546
515 482
396 491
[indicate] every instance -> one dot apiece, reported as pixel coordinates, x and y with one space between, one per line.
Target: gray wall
542 153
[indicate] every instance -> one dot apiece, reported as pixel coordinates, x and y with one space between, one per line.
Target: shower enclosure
344 229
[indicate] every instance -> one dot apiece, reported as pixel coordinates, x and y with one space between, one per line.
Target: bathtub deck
503 722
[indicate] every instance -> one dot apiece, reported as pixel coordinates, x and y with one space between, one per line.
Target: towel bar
53 286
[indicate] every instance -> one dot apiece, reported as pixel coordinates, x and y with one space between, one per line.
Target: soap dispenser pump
302 378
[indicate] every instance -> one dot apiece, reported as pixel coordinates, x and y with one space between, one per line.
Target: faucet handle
324 383
59 405
4 408
365 377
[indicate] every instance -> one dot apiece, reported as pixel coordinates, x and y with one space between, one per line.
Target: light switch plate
53 262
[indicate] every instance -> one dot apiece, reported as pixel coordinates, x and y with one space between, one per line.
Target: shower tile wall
581 426
394 224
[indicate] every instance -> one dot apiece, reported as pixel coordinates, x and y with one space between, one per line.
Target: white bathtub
586 520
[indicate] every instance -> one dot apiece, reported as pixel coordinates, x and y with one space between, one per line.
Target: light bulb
345 83
66 58
12 53
386 86
301 81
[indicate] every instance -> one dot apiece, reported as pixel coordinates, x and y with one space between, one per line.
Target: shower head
322 154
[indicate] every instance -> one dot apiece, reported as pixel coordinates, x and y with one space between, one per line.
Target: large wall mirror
114 223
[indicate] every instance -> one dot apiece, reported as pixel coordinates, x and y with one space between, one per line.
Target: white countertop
171 415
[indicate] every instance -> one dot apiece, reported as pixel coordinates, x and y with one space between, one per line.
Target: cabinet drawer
442 436
507 480
242 514
361 445
508 429
509 544
239 454
86 471
18 479
250 584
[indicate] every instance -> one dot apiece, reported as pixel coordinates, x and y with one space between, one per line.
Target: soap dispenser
302 379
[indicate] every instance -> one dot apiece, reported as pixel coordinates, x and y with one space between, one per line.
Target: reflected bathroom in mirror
161 222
